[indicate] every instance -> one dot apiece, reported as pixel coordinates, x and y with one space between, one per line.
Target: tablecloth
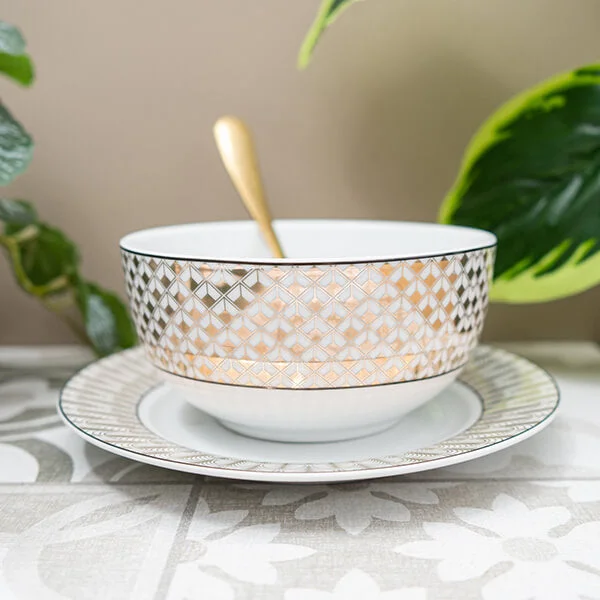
80 523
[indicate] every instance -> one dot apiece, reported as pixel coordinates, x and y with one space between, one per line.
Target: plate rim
319 476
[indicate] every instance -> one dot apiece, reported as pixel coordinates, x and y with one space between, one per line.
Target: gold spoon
238 154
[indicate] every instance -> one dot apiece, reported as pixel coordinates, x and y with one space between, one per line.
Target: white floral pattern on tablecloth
245 553
543 564
22 395
354 506
578 491
356 585
77 522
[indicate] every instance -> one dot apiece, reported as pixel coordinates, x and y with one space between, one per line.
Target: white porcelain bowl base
309 415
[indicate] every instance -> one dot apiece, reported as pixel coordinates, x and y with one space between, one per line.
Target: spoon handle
238 154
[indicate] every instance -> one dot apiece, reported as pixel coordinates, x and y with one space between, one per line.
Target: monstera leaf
328 13
531 175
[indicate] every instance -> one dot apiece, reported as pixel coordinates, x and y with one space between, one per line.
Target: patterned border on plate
101 402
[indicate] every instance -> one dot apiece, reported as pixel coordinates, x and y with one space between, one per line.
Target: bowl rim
126 245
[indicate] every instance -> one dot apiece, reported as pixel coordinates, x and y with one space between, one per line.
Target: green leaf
19 68
531 175
328 13
11 39
49 255
106 319
46 265
14 62
16 147
17 213
44 259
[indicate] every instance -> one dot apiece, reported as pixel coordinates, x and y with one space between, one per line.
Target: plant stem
54 296
62 305
76 328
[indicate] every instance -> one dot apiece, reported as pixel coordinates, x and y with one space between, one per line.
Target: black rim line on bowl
305 263
314 389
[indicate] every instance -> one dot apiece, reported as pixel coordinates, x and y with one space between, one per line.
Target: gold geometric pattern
309 326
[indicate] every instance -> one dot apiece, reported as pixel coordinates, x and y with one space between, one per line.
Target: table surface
77 522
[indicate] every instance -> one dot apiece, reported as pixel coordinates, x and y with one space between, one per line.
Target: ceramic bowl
366 321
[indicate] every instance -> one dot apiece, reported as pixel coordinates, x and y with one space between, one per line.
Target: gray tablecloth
77 522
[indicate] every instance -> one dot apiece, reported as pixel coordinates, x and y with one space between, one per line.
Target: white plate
119 404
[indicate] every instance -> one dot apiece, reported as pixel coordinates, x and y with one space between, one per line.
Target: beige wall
127 92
